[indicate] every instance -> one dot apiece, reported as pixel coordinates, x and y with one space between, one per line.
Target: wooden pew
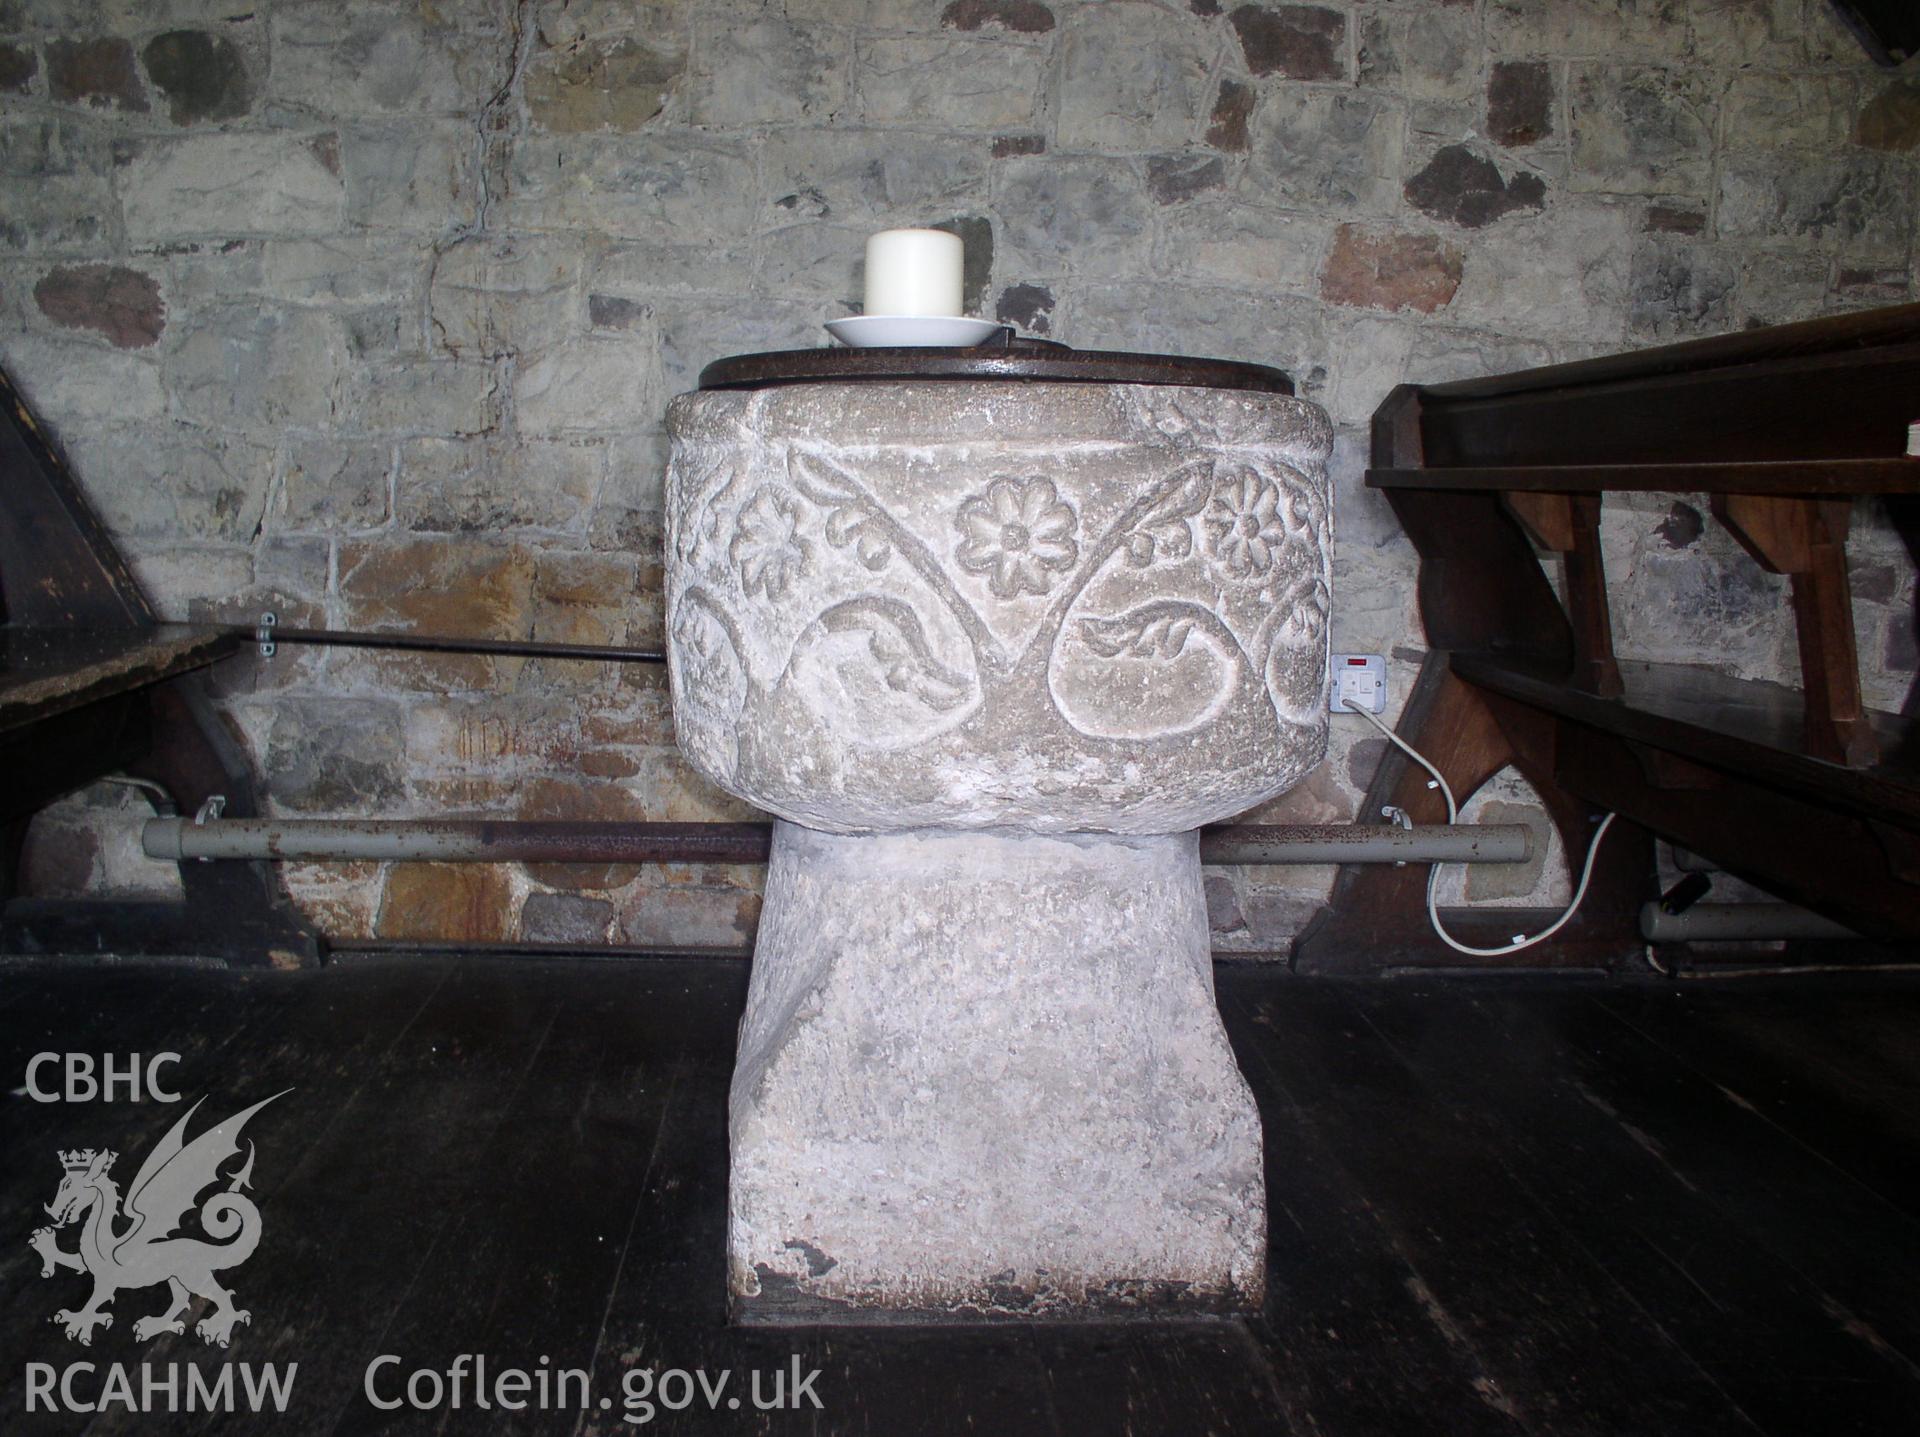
1803 791
91 684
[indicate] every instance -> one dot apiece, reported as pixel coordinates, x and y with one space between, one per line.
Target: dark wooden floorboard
529 1248
1208 1379
1841 1076
191 1011
397 1165
1496 1208
1859 1252
1560 1346
71 1017
1352 1347
1704 1284
332 1230
593 1165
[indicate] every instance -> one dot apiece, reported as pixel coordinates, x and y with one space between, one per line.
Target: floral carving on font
1019 533
1243 525
767 548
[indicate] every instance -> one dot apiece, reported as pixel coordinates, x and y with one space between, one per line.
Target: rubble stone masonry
368 311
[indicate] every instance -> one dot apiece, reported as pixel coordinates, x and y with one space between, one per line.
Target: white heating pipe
1734 922
478 841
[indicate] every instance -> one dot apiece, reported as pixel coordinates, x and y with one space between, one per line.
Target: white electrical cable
1433 873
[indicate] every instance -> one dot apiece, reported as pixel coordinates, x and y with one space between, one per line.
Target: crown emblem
77 1161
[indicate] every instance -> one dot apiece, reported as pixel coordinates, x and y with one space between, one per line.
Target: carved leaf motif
849 520
1164 531
822 481
1307 605
1319 605
843 524
1158 630
849 525
1168 666
697 480
899 646
1175 540
1189 498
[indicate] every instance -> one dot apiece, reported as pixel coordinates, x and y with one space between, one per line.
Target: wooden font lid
1003 357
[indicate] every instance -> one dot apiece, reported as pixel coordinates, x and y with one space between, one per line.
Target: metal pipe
1235 844
517 841
338 948
437 840
1734 922
444 644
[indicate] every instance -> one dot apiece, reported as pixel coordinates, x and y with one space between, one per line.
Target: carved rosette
1050 606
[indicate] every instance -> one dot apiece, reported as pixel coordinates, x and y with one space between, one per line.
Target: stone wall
367 313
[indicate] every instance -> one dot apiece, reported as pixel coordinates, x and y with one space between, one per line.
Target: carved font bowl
1057 607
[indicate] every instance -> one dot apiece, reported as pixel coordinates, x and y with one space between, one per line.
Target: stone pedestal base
983 1075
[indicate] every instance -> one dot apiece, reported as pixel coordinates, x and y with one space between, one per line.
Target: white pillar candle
914 272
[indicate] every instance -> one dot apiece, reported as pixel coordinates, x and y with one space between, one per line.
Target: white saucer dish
874 331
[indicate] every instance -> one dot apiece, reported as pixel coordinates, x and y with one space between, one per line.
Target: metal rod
1733 922
457 840
515 841
339 948
1236 844
441 643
